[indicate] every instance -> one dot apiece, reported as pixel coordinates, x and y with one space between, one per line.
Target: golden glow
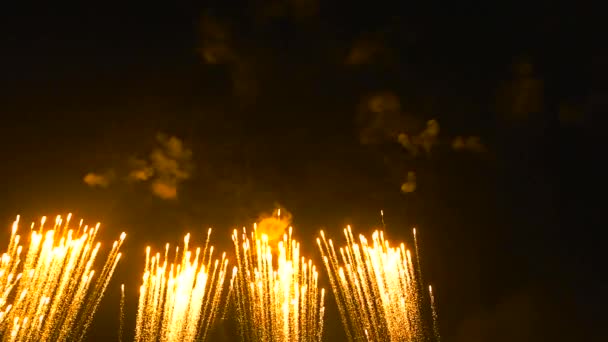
277 294
376 288
179 301
51 292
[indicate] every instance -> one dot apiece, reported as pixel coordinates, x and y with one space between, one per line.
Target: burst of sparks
277 299
376 288
51 292
179 301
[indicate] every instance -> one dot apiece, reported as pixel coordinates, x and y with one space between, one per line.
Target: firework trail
122 312
376 288
51 292
435 319
179 301
276 290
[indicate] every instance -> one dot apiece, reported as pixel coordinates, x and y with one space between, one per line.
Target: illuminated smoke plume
364 51
410 184
523 96
141 171
102 180
216 42
169 164
424 140
219 48
380 118
274 226
172 165
470 144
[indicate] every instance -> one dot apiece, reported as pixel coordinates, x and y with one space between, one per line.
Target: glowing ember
376 288
179 301
49 294
280 300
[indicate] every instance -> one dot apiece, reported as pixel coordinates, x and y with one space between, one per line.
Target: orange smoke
275 225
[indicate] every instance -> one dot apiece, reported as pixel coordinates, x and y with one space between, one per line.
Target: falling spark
51 292
179 301
375 287
276 289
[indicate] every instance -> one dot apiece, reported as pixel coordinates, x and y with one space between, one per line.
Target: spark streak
122 312
277 300
434 312
179 301
49 294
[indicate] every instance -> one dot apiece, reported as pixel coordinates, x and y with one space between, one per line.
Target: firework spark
434 312
277 300
179 301
49 294
376 288
121 323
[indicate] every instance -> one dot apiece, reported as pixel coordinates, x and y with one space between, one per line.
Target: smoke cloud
382 119
274 225
410 184
523 96
102 180
365 51
169 164
469 144
219 48
216 42
379 118
424 141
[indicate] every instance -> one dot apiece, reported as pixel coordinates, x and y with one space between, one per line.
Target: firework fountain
276 290
180 301
377 288
50 291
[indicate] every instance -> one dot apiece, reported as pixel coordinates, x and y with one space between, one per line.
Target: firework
277 299
51 292
376 288
179 301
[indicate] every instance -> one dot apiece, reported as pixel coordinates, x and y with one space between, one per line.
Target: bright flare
277 300
51 292
179 301
376 288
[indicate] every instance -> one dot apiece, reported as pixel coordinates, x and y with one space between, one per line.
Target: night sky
309 105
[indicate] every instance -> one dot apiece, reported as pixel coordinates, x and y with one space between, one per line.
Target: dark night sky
509 236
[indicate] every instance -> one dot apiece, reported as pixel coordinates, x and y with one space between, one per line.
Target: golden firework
376 288
277 299
179 301
51 292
